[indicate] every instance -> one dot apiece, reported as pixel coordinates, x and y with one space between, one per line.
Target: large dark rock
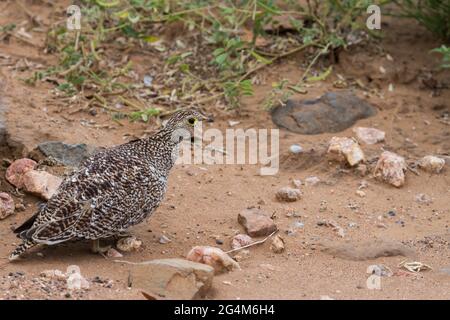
333 112
67 154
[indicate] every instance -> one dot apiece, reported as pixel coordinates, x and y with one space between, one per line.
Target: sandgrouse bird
111 191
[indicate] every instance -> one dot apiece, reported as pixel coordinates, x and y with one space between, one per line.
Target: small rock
311 181
288 194
7 206
277 244
163 239
297 183
340 231
362 169
379 270
19 207
41 183
360 193
113 253
242 255
148 80
232 123
173 278
292 230
241 240
16 171
256 223
214 257
369 135
295 149
53 274
345 149
219 242
423 198
363 184
75 281
432 164
391 168
391 213
128 244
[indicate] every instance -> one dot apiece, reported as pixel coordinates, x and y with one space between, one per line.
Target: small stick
254 243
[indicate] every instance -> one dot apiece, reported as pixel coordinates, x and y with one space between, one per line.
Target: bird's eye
192 121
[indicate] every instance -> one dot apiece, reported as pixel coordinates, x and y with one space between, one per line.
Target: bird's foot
96 248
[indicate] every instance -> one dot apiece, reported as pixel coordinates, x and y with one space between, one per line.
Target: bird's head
183 122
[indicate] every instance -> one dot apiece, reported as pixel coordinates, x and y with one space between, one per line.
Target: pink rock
113 253
369 135
391 168
41 183
214 257
240 240
17 169
256 223
6 205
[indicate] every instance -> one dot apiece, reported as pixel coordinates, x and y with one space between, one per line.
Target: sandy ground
203 202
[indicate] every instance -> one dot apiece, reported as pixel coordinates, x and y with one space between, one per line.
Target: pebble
297 183
360 193
242 255
214 257
295 149
113 253
423 198
345 149
277 245
311 181
369 135
241 240
391 168
164 239
7 206
128 244
392 213
432 164
288 194
256 222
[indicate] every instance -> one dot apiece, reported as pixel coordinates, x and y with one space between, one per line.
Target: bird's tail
27 244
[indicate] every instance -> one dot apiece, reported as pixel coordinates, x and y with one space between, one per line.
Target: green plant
226 43
433 14
445 51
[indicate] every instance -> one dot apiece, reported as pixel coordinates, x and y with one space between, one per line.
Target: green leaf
220 59
184 68
271 9
150 39
106 4
321 76
260 58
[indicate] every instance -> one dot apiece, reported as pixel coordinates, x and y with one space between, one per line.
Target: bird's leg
96 248
122 234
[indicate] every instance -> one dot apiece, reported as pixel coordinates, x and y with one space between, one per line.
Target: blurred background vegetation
223 46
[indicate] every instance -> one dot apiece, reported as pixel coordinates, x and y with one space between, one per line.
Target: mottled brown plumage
111 191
